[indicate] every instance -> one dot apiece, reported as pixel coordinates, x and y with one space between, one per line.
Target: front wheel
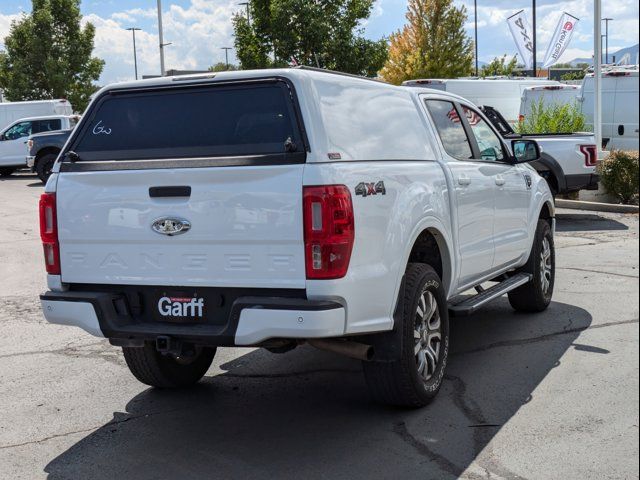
414 375
535 296
167 371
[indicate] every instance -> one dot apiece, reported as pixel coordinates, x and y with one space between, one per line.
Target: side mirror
525 151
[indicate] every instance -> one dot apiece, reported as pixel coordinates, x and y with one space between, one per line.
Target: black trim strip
283 159
245 161
169 191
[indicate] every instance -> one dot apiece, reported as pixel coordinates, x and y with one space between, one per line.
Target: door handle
464 180
500 181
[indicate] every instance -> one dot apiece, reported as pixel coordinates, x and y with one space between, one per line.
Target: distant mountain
619 55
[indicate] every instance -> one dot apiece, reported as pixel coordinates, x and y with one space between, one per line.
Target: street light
475 13
135 57
246 4
606 35
226 55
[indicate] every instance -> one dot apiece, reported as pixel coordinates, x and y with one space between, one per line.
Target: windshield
229 120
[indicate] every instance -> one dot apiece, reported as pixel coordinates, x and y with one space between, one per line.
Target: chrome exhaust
359 351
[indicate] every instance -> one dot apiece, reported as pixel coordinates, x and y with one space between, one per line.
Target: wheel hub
545 266
427 335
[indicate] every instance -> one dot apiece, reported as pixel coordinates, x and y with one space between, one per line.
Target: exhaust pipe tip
348 348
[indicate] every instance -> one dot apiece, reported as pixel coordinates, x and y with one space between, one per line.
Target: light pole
475 13
160 38
597 73
246 4
135 57
226 55
606 39
535 73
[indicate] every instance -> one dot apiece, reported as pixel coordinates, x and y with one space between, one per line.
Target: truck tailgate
245 227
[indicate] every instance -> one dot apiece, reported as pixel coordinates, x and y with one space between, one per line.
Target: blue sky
198 28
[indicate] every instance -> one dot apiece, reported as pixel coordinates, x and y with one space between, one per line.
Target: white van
548 95
11 111
619 107
502 94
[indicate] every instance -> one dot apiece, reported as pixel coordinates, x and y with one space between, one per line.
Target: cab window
489 143
19 130
447 121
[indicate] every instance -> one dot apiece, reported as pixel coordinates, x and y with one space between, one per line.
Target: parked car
43 149
568 160
14 138
504 94
548 95
12 111
271 208
619 107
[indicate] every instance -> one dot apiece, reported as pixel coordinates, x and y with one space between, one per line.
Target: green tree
222 67
433 43
499 66
326 34
48 55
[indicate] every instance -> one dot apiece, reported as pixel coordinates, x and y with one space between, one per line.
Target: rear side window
449 126
48 125
191 122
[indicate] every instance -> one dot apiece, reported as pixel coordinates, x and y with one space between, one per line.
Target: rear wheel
6 171
414 375
44 165
535 296
167 371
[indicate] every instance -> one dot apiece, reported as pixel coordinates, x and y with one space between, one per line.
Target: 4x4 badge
366 189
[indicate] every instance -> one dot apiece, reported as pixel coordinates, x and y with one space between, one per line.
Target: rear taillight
590 155
328 231
49 233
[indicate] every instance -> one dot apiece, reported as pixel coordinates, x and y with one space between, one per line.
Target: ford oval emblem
171 226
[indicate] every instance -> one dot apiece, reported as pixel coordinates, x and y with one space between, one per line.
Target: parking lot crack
542 338
598 271
90 429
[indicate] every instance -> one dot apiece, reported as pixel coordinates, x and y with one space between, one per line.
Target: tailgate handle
172 191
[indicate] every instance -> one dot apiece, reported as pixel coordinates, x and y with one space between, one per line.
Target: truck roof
44 117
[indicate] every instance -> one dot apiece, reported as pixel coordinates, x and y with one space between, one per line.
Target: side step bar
471 304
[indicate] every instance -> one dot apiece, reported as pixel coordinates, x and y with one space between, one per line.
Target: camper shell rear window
213 120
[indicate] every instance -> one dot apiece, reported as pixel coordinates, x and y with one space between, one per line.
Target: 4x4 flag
560 39
522 35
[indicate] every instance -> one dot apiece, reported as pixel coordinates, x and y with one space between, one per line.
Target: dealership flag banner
560 39
521 31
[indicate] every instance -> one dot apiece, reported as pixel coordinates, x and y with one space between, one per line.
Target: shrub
619 175
555 118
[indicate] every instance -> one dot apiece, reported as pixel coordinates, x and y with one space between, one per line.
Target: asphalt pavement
545 396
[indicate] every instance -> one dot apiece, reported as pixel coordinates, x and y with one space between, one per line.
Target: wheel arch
45 151
431 244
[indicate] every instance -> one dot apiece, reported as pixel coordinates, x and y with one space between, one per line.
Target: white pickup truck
14 138
567 161
273 208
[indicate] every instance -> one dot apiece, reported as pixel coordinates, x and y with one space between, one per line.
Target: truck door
13 148
511 190
473 187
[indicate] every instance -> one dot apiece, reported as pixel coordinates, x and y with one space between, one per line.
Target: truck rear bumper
250 321
583 181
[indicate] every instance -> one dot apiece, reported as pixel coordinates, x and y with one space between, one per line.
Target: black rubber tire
7 171
530 297
44 165
163 371
398 382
